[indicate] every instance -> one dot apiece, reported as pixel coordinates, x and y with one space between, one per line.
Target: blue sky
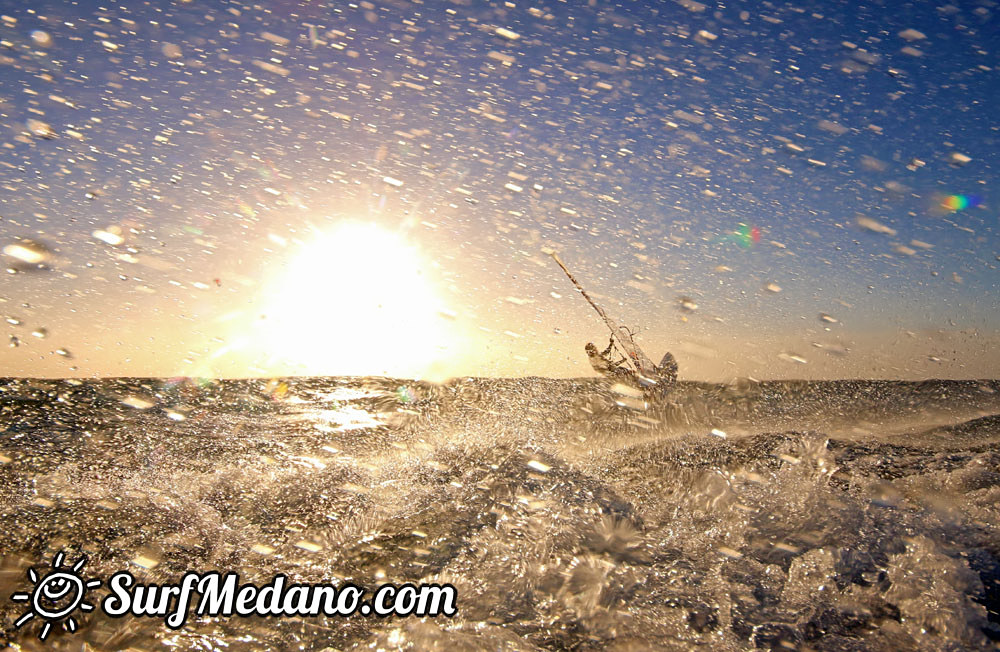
216 139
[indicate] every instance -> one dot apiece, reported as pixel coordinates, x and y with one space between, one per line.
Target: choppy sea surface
849 515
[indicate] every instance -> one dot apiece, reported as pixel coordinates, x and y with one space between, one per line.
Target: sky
765 189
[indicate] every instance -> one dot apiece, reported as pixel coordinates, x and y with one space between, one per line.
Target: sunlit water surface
822 516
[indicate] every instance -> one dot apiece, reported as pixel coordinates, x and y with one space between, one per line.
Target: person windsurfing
660 381
635 368
602 364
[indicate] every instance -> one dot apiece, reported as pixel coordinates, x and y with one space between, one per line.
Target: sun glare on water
357 301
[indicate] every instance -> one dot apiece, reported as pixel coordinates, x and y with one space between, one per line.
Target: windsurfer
656 381
602 364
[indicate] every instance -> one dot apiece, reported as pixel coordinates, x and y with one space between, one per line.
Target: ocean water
852 515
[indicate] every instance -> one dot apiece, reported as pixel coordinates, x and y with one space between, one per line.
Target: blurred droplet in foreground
28 254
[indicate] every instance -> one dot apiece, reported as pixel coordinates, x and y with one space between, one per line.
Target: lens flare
745 236
956 203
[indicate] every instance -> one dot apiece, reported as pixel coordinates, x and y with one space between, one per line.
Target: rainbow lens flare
745 236
956 203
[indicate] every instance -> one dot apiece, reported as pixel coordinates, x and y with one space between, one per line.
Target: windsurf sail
621 336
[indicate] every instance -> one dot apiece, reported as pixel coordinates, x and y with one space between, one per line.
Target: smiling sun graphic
56 596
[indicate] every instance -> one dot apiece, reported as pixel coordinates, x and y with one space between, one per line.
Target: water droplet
40 129
28 252
958 159
911 34
138 402
41 39
171 51
308 546
874 226
111 235
687 304
729 552
508 34
541 467
146 561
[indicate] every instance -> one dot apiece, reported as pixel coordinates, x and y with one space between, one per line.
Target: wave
849 515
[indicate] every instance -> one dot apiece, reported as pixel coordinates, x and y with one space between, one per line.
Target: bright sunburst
356 301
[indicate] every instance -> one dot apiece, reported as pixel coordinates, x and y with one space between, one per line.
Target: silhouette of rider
660 380
602 364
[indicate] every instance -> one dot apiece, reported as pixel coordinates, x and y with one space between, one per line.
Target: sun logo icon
56 596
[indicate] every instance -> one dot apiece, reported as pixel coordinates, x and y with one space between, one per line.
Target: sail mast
632 353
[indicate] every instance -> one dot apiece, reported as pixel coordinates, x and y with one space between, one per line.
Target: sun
358 300
56 596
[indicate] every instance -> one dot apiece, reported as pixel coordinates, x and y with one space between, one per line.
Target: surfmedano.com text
214 594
